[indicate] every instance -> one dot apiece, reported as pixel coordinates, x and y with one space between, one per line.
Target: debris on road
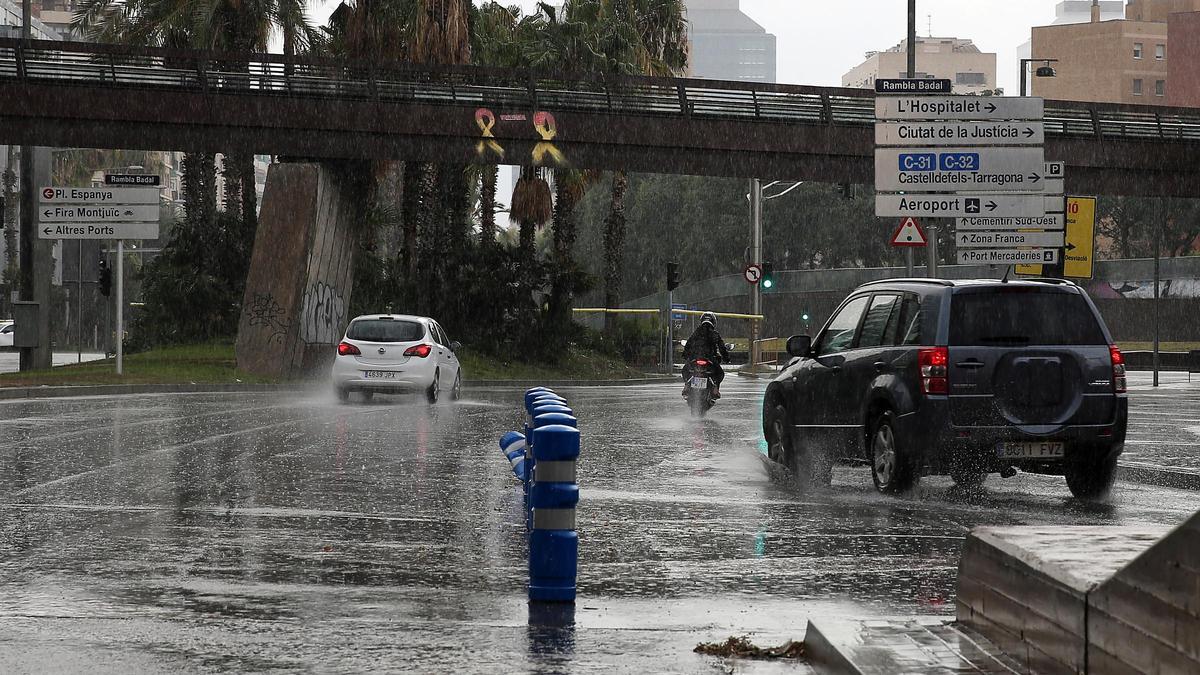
741 646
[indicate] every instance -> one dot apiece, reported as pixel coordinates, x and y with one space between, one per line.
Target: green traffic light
804 317
767 283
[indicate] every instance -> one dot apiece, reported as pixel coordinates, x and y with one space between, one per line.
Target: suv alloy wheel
891 467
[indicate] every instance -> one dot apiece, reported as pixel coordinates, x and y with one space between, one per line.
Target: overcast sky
819 40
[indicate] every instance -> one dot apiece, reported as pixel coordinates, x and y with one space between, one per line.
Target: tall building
1077 11
10 22
969 70
1183 75
727 44
1116 61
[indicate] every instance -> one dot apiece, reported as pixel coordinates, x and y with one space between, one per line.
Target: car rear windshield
1022 316
385 330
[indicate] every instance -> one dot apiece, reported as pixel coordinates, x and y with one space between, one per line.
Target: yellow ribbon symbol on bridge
543 123
486 120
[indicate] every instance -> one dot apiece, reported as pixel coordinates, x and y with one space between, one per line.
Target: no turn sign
753 274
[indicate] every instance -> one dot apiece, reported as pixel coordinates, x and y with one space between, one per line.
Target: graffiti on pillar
323 314
266 313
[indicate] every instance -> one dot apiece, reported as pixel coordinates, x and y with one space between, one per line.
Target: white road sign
1050 221
101 195
959 133
80 213
1008 256
939 108
966 169
966 204
977 239
98 231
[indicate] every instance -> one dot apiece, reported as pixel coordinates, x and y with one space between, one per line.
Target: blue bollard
512 445
554 494
533 393
543 417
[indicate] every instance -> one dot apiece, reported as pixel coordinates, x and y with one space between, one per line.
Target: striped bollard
554 543
512 445
543 416
532 396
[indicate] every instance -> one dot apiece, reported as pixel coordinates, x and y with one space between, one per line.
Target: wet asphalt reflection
261 532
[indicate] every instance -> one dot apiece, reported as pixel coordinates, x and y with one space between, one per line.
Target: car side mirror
799 346
455 346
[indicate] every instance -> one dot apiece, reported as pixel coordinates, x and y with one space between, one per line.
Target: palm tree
227 25
649 37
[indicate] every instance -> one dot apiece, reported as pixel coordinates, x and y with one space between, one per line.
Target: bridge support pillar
301 273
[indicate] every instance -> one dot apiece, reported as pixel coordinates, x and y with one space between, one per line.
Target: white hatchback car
7 328
396 353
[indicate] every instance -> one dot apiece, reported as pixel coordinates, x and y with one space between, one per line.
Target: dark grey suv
961 378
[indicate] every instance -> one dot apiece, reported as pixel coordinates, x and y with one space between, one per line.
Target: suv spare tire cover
1038 386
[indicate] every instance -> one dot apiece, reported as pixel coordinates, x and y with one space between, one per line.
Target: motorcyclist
706 343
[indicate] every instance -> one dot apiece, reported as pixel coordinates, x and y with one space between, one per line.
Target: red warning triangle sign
909 234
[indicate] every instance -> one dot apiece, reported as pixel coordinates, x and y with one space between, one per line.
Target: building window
1137 87
1160 52
970 78
1160 87
1137 50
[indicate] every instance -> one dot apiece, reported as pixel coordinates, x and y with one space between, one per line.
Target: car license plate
379 375
1031 450
698 383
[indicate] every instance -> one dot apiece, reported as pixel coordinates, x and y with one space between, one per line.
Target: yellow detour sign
1079 253
1080 245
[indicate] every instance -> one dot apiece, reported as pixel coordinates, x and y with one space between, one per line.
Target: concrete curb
18 393
1150 474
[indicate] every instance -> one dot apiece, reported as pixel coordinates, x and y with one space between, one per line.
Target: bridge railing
75 63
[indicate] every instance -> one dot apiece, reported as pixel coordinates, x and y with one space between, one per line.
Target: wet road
263 532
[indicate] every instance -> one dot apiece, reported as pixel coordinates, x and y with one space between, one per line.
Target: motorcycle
699 387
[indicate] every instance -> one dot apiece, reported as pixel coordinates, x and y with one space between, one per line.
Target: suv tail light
347 349
1118 366
933 362
418 350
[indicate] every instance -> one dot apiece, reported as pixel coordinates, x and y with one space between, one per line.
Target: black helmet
709 317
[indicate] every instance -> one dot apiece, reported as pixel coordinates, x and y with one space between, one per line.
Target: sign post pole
756 255
120 306
79 302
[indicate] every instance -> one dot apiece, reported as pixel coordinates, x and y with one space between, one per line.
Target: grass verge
579 364
1162 346
215 364
185 364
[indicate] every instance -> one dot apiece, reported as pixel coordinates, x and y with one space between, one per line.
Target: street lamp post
1045 70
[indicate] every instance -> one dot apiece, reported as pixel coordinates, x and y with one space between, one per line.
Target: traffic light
672 276
767 282
104 279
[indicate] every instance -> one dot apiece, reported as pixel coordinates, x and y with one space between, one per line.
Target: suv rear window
1022 316
385 330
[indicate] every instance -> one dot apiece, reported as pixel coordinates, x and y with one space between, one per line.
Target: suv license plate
379 375
1031 450
699 383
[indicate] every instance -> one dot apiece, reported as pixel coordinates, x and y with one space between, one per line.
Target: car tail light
418 350
933 370
701 362
347 349
1118 365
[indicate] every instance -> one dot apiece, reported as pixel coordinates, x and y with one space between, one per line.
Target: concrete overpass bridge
109 96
